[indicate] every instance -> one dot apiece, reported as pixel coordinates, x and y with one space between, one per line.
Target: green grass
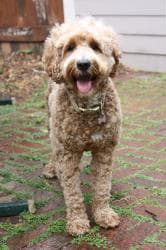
88 198
34 156
153 240
3 246
37 183
32 114
118 195
123 164
24 51
134 248
32 221
18 195
87 153
93 238
54 227
7 110
161 192
86 169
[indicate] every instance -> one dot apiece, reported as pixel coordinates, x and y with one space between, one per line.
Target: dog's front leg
102 170
69 175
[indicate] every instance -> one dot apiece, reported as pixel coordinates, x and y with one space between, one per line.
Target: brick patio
139 175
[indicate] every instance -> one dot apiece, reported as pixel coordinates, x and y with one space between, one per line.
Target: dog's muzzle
83 65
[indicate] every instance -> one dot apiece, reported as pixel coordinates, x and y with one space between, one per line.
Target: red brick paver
155 213
128 237
152 247
139 174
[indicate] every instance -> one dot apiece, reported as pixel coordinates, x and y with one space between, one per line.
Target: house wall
141 25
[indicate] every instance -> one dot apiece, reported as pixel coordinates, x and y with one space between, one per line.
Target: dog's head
82 54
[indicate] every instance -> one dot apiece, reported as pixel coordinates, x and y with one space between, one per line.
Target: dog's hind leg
49 170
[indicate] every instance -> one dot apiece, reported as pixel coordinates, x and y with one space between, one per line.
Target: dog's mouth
84 83
84 86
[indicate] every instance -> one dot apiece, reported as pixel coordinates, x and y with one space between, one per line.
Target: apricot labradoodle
81 57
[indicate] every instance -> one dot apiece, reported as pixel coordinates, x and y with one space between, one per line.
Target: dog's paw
106 218
78 226
49 171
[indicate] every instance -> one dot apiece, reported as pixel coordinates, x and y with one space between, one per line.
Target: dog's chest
85 132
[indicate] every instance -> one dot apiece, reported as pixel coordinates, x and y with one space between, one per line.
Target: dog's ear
52 58
112 49
116 53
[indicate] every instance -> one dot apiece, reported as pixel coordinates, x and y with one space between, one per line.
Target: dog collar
98 108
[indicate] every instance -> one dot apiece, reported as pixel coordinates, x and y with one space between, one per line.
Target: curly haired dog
81 57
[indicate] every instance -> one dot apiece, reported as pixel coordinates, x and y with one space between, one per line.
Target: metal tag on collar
102 119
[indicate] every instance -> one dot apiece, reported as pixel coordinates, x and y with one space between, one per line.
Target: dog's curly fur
73 130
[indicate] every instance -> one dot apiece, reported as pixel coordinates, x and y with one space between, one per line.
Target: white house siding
141 25
69 9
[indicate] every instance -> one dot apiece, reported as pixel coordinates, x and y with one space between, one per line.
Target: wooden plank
144 44
54 10
28 20
120 7
19 13
23 13
143 62
137 25
24 34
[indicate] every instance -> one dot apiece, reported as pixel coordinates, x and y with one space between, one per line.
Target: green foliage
3 246
123 164
24 51
152 239
7 110
159 191
88 198
36 183
57 226
87 153
134 248
117 195
86 169
93 238
19 166
31 221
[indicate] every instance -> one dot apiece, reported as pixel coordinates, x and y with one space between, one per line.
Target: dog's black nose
83 65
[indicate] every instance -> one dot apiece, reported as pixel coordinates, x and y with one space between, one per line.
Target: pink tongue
84 86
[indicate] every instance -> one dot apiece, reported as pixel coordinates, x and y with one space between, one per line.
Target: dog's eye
95 46
70 47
